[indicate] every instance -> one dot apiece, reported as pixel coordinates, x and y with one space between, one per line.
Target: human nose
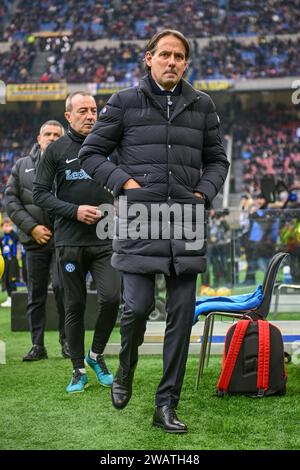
90 116
171 61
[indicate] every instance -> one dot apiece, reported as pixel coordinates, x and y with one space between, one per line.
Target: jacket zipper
169 103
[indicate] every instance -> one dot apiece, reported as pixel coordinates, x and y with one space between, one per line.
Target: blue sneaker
104 376
78 382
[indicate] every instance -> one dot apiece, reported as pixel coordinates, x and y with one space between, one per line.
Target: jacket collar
158 91
35 152
75 135
188 96
187 91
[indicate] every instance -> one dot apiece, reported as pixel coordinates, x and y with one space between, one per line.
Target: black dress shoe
121 389
65 352
165 417
36 353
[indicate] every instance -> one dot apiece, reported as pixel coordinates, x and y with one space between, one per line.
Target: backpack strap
233 352
226 341
263 367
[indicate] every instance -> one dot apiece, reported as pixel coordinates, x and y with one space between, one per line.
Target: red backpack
253 360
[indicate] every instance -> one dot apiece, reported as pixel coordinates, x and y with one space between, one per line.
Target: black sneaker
36 353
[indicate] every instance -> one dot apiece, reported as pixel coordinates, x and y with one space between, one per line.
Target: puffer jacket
170 155
18 201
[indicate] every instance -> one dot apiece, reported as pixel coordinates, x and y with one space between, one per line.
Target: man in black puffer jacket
35 233
170 151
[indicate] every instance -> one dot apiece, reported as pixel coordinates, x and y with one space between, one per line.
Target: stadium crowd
218 60
111 64
15 64
234 60
269 147
116 19
17 134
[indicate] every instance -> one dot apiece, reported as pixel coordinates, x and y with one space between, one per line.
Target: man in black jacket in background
78 248
36 234
170 153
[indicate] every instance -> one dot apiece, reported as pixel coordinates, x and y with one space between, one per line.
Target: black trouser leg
138 296
180 308
72 270
24 269
59 296
107 282
38 266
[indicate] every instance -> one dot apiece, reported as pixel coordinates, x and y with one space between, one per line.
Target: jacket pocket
140 178
180 181
136 194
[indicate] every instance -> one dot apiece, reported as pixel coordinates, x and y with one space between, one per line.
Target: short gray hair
71 96
52 122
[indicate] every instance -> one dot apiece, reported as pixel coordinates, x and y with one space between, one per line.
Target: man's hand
131 184
41 234
197 194
88 214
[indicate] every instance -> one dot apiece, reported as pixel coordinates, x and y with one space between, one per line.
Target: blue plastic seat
233 303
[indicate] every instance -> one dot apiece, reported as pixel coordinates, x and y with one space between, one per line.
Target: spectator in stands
9 245
221 254
168 135
246 205
36 234
263 236
218 255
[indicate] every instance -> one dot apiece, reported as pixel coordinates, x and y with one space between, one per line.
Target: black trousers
74 264
40 264
138 295
24 269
